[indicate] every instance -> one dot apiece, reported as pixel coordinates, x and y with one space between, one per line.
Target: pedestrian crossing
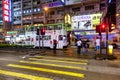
70 67
21 75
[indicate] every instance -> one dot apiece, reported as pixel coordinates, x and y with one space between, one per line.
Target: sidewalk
91 53
101 66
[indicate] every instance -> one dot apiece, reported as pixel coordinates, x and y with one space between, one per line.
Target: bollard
110 49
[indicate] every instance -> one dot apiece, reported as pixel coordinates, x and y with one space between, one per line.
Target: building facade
26 13
118 14
30 13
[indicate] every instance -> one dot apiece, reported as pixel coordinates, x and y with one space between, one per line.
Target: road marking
21 75
55 65
62 58
59 61
48 70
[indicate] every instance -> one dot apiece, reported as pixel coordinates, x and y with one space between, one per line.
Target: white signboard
69 2
83 22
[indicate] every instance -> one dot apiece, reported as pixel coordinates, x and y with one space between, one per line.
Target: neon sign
6 10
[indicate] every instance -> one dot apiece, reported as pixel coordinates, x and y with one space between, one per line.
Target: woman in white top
97 42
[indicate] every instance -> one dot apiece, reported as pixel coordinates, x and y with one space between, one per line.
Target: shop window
90 7
60 12
52 13
102 6
76 9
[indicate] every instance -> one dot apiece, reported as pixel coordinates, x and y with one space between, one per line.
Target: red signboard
5 9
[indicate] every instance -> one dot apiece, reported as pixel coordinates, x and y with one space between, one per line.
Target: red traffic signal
42 31
103 28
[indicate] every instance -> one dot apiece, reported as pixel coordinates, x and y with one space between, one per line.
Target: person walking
79 45
97 42
54 45
84 47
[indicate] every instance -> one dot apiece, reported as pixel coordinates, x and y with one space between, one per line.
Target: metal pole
39 38
42 42
100 41
100 34
107 30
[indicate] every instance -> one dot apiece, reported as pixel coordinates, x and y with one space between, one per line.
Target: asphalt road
22 64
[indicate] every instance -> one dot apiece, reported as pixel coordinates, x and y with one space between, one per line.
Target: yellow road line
59 61
62 58
55 65
48 70
21 75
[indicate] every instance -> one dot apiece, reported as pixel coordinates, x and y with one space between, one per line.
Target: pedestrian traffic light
42 31
38 31
111 27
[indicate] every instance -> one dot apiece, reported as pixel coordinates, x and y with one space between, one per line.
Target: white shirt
79 43
97 42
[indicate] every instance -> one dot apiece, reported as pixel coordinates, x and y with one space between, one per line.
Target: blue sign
53 4
109 1
62 1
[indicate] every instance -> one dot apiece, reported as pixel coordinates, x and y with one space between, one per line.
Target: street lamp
45 10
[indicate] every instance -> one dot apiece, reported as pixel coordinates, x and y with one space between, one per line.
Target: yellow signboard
96 19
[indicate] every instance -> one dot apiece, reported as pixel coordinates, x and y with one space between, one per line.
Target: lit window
27 11
20 12
34 10
38 9
30 11
24 11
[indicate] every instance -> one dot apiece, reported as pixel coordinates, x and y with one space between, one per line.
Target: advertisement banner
96 20
86 22
82 22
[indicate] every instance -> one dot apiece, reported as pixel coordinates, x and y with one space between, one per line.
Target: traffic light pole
42 42
39 38
107 30
100 42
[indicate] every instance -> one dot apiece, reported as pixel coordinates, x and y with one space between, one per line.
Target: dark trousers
78 49
54 48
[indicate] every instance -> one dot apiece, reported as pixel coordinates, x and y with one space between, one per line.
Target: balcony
26 21
38 20
26 1
17 22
